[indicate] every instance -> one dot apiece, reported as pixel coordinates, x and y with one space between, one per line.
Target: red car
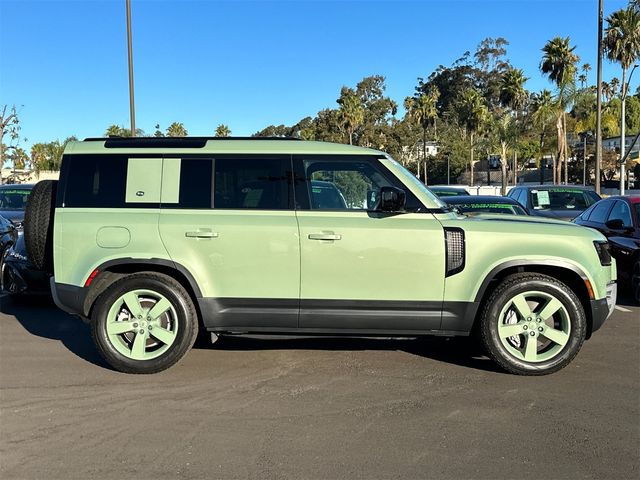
618 218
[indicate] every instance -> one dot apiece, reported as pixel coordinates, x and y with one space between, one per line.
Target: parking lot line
622 309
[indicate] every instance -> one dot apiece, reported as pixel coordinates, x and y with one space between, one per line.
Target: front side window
343 184
252 183
620 211
599 213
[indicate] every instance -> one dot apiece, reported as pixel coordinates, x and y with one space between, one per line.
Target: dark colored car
13 201
325 195
562 202
618 218
471 204
19 275
445 191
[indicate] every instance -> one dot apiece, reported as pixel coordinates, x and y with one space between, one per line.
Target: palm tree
351 111
513 96
622 45
559 63
473 114
615 83
543 107
176 129
422 110
223 130
607 92
583 80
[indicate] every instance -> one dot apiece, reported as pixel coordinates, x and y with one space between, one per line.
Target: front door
363 270
229 221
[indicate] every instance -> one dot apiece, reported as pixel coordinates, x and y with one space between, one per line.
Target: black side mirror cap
615 224
392 199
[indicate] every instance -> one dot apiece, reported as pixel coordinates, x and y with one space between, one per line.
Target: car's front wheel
144 323
532 324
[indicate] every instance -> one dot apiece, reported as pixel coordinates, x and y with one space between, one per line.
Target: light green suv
153 240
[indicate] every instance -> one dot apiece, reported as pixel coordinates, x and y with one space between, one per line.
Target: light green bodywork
269 254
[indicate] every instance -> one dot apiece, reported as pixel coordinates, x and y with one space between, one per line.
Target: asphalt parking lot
312 408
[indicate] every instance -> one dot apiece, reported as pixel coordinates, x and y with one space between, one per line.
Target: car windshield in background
449 193
562 199
636 207
13 199
505 208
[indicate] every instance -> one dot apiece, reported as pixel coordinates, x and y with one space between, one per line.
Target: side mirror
615 224
392 199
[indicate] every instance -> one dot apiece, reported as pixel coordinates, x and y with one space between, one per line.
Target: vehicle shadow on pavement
460 351
39 316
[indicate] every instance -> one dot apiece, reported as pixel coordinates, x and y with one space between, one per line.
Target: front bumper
603 308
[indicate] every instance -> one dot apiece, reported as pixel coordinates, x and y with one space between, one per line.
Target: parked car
19 275
156 236
474 204
448 191
563 202
13 201
618 218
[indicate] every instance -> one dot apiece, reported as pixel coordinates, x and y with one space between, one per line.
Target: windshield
408 176
490 208
561 199
14 198
449 193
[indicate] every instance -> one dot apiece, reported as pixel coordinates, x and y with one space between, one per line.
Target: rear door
363 270
229 220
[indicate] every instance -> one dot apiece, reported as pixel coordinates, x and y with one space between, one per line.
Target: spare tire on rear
38 224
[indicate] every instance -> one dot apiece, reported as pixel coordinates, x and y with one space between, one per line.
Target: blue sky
251 64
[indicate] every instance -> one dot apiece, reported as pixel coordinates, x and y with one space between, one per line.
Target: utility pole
132 107
623 117
599 102
584 161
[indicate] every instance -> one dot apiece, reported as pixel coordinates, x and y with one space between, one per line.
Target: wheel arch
567 273
113 270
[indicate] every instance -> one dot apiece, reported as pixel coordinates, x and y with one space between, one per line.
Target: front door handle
201 234
324 236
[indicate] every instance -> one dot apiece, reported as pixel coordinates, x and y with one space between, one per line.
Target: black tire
506 354
186 322
38 224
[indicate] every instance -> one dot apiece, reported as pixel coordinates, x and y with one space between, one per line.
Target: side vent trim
455 249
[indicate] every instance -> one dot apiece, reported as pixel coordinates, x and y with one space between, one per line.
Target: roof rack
171 142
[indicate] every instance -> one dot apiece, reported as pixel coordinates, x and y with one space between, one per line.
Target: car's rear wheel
144 323
532 324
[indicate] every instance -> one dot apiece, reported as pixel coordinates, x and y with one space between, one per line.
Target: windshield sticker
543 198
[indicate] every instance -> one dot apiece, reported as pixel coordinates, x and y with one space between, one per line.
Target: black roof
169 142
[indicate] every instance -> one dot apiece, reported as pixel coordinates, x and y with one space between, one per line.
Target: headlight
602 248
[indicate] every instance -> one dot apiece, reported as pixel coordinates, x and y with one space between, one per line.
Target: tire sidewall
184 317
576 318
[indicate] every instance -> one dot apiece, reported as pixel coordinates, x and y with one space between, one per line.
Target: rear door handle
324 236
201 234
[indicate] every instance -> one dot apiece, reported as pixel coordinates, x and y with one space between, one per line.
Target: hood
15 216
501 217
567 215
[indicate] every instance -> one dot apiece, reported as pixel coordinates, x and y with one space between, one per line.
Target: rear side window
252 183
196 175
620 211
95 180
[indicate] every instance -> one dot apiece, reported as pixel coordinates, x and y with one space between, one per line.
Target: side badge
140 193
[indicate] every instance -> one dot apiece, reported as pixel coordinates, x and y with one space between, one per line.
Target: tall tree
622 45
223 130
351 111
9 124
422 110
176 129
513 97
543 112
473 114
559 63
